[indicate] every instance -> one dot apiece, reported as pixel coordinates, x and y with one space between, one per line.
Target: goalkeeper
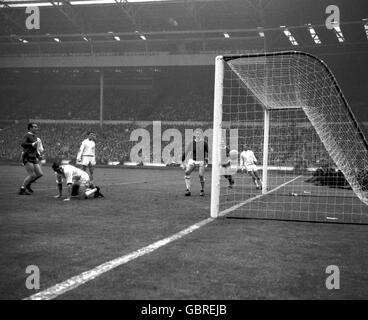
77 180
197 155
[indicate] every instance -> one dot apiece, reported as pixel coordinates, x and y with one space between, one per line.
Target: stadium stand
113 143
142 94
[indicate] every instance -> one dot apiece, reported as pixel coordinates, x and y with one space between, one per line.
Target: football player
77 181
227 164
197 155
87 154
31 158
248 163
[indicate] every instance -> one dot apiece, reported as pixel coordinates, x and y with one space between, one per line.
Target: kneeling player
248 163
77 180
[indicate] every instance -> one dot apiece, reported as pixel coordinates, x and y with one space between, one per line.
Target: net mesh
317 155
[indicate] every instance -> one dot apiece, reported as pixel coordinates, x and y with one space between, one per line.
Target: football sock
26 181
202 182
187 182
89 192
33 180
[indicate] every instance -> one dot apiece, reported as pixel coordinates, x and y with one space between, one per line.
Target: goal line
237 206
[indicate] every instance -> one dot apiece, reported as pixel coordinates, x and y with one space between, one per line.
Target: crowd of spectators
50 103
63 141
83 103
300 148
188 106
181 101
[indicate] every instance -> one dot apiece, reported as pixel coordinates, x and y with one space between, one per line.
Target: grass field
225 258
292 198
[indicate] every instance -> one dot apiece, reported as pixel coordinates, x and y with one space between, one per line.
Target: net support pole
101 97
266 136
217 133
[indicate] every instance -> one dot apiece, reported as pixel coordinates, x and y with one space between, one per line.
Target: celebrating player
197 155
31 158
77 180
248 163
87 154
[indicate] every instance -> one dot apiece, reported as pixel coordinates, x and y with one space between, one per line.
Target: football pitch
146 240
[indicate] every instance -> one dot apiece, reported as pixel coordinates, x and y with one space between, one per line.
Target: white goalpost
312 156
266 137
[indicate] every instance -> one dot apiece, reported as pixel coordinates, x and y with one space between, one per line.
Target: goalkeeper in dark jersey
196 155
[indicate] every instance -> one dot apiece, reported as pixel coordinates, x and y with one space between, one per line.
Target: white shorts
82 181
251 167
86 160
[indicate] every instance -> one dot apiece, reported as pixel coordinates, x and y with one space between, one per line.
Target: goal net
312 156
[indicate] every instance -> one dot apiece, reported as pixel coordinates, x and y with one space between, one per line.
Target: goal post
266 135
290 111
216 140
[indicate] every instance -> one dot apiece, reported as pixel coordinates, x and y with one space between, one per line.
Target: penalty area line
89 275
76 281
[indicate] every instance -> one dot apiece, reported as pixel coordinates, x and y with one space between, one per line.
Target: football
233 155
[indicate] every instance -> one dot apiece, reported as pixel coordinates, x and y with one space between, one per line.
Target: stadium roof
191 25
44 3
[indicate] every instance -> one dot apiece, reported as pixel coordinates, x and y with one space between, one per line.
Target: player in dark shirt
30 159
197 155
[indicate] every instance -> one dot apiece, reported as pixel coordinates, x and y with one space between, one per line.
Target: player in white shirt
227 163
87 154
248 163
77 180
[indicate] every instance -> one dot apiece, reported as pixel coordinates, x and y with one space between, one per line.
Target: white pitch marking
237 206
84 277
76 281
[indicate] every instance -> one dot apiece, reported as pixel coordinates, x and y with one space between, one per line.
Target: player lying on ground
87 154
77 181
328 176
31 158
248 163
197 155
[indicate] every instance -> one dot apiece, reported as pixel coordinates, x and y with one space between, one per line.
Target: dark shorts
30 160
75 190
